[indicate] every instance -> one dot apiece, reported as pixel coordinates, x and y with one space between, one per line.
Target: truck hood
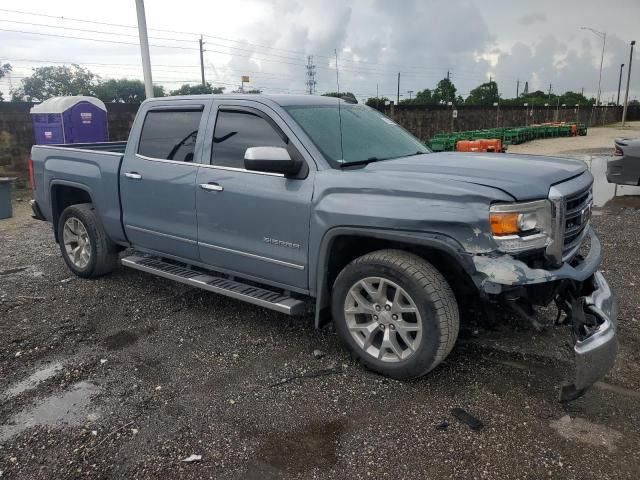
524 177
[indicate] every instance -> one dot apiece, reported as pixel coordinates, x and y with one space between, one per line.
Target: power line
92 39
328 56
356 70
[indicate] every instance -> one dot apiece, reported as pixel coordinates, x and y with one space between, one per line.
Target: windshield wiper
377 159
361 162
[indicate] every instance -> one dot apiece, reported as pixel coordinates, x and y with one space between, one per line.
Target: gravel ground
128 375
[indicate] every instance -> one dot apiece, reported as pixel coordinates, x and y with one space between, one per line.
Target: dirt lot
126 376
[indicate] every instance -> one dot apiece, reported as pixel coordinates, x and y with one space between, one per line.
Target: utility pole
311 75
144 49
626 93
603 36
398 98
377 97
549 98
448 74
619 84
409 92
582 92
517 89
202 61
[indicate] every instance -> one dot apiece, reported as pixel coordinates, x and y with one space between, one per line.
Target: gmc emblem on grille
585 214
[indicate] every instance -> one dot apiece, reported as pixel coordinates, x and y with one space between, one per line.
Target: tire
427 317
102 254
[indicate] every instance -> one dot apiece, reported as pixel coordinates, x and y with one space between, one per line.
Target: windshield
367 135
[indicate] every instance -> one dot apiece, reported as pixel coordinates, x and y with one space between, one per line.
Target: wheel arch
341 245
64 194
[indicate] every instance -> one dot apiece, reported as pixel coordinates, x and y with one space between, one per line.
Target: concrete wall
425 121
16 133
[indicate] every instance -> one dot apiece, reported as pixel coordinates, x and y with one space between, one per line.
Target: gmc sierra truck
276 199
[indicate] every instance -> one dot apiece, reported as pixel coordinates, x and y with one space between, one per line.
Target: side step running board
231 288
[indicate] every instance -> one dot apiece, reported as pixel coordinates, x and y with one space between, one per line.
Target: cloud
375 40
550 61
532 18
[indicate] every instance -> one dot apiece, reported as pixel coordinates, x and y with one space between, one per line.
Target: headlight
518 227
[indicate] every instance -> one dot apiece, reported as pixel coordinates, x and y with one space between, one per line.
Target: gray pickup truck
277 199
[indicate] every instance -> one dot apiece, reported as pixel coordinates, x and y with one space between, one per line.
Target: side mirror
272 160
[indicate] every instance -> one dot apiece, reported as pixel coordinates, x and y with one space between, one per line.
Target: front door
252 223
158 181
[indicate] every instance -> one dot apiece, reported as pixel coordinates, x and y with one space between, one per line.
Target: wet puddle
605 193
68 408
299 451
120 340
34 380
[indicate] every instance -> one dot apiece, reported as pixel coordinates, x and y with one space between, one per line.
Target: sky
540 42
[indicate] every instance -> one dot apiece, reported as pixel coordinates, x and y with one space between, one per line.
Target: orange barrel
483 143
474 146
574 130
462 146
493 145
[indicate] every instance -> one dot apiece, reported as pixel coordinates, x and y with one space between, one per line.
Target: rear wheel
396 313
85 247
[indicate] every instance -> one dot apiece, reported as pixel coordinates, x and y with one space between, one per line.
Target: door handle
133 175
212 187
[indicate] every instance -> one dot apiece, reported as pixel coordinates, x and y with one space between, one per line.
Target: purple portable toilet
78 119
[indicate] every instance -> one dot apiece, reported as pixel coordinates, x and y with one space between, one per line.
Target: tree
4 69
125 90
485 94
47 82
423 97
376 102
572 98
445 92
539 98
252 90
199 89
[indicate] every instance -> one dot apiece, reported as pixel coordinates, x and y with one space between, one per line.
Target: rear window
170 134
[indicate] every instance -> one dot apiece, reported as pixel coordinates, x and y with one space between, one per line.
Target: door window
236 131
170 134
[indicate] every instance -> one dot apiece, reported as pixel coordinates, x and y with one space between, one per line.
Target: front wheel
396 313
85 247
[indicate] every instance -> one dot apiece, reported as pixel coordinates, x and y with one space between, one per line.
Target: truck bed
93 167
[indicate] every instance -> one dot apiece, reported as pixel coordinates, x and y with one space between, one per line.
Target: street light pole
144 49
202 61
603 36
626 93
619 84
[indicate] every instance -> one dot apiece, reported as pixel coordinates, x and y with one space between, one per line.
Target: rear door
158 178
254 223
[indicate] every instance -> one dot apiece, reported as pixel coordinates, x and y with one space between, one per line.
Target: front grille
576 219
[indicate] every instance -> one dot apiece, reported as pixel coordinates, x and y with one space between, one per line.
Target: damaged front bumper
579 290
